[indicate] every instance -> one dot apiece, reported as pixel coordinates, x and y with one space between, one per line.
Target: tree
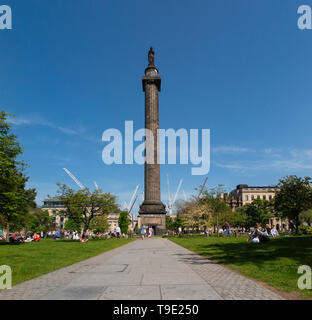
83 206
219 211
174 224
15 200
293 196
258 211
99 224
169 223
306 216
70 224
191 215
123 221
43 220
240 218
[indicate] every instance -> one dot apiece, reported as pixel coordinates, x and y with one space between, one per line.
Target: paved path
150 269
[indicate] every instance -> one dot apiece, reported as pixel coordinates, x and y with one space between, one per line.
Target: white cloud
38 120
229 150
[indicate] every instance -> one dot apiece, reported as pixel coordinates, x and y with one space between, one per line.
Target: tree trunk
8 231
217 226
297 225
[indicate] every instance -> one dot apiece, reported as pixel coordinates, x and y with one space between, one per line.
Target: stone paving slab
152 269
230 285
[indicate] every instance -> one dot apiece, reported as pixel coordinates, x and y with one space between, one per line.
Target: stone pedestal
156 221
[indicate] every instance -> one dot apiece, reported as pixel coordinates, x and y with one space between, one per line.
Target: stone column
152 210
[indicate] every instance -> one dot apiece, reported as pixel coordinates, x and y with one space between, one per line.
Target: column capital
151 80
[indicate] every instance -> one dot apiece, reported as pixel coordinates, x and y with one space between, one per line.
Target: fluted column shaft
152 170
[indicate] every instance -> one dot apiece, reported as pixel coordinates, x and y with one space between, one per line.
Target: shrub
304 230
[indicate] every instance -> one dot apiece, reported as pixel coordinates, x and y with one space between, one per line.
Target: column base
153 214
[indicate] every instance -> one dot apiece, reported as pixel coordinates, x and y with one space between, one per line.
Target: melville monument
152 211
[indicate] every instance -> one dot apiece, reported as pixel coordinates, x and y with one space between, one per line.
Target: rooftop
241 186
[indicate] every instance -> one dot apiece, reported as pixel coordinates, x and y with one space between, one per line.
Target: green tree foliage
83 206
42 221
70 224
293 196
123 221
99 224
306 216
258 211
217 210
15 200
173 224
192 215
210 210
168 223
240 218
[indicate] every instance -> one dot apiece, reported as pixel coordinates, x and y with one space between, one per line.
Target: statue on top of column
151 57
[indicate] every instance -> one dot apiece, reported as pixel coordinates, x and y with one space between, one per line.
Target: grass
30 260
275 262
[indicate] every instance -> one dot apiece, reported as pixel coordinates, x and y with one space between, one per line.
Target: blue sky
71 69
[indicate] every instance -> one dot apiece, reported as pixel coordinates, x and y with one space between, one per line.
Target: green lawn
275 262
30 260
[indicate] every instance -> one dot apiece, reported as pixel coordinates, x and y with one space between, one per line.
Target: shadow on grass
297 249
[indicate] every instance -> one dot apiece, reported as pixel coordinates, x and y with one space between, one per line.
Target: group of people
74 235
145 231
16 237
260 235
54 234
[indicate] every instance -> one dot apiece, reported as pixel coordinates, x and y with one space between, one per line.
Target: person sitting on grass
16 237
29 238
57 235
267 231
84 238
36 237
274 232
75 236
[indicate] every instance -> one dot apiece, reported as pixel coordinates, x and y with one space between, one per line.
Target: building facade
244 194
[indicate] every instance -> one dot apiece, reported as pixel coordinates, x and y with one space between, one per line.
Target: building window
270 197
252 197
246 198
264 197
258 197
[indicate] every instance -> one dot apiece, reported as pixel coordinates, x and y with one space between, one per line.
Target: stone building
244 194
56 209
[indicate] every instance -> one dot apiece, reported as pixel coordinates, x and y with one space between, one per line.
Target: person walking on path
118 232
150 232
227 229
143 231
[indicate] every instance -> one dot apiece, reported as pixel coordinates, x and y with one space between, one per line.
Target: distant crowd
17 237
256 235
